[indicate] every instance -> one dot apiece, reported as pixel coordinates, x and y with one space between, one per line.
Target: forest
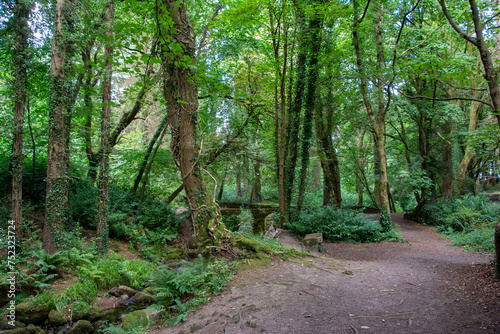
158 128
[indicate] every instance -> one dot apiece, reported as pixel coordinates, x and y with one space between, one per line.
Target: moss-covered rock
135 319
31 329
252 245
6 324
82 327
143 297
32 314
73 313
118 291
140 318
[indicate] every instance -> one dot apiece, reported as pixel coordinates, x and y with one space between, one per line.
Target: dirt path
412 287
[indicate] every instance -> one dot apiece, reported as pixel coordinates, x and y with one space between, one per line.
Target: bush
339 225
469 221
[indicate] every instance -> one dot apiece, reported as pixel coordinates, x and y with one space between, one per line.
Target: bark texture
22 32
56 203
102 205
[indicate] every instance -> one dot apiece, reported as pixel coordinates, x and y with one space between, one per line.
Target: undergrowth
185 289
469 221
342 225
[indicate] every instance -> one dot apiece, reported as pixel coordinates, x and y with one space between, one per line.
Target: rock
72 313
271 232
271 220
32 314
150 290
135 319
118 291
143 297
82 327
124 297
56 318
31 329
312 242
4 324
140 318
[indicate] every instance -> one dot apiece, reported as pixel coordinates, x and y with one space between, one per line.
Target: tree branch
420 97
455 26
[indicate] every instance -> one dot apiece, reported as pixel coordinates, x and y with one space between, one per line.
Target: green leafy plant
192 285
340 225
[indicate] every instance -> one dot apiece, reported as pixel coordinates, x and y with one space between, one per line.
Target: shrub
339 225
469 221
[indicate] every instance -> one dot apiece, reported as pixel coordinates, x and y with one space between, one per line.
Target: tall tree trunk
256 195
310 99
181 96
150 164
293 127
22 32
102 206
377 120
57 179
159 131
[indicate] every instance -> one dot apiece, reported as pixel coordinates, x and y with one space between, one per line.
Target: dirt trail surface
411 287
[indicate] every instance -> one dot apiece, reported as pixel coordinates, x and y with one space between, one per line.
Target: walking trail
420 286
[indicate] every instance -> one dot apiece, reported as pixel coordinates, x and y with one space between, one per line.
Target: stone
31 329
150 290
271 232
5 324
56 318
72 313
32 314
271 220
143 297
118 291
312 242
135 319
82 327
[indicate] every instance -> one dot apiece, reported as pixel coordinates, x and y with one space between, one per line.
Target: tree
102 206
57 201
22 32
181 96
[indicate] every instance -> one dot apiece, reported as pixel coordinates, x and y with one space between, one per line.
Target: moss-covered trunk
181 95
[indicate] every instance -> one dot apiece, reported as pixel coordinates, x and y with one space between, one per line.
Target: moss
135 319
253 245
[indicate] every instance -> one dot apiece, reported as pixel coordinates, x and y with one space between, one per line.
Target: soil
422 285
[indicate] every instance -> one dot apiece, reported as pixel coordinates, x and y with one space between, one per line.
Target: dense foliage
342 226
469 221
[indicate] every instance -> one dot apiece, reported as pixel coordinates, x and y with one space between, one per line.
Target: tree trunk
159 131
256 195
377 120
315 44
181 96
102 204
150 164
22 32
57 179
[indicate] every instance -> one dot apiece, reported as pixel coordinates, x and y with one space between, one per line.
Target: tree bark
22 32
181 96
377 120
314 30
256 194
159 131
102 205
150 164
57 179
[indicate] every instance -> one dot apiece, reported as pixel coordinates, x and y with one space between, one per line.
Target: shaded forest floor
423 285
